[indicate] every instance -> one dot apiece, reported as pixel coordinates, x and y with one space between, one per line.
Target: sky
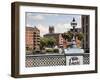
42 21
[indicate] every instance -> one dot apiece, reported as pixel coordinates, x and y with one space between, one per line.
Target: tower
51 29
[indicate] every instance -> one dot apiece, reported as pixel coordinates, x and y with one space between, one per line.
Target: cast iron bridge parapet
38 60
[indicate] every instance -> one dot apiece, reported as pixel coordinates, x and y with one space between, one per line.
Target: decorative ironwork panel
36 61
52 60
86 59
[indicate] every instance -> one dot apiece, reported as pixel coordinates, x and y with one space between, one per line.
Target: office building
85 22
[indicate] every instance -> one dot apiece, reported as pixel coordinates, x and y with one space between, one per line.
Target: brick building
60 42
32 38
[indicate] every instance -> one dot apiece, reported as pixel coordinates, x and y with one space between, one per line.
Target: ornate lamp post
74 49
76 59
74 24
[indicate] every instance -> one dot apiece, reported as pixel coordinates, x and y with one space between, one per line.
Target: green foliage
33 51
47 42
49 50
51 42
80 36
68 35
56 50
43 42
28 49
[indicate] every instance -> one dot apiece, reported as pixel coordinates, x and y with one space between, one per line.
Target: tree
43 42
80 36
51 42
67 35
47 42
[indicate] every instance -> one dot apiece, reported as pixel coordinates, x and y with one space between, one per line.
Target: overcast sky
42 21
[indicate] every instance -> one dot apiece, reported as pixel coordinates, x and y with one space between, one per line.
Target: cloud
38 17
61 28
28 25
50 14
31 16
43 29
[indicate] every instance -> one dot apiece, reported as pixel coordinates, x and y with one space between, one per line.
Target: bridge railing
57 59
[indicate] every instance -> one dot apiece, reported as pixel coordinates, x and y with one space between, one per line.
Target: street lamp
73 24
74 48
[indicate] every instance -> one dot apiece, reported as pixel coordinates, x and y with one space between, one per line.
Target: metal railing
54 59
